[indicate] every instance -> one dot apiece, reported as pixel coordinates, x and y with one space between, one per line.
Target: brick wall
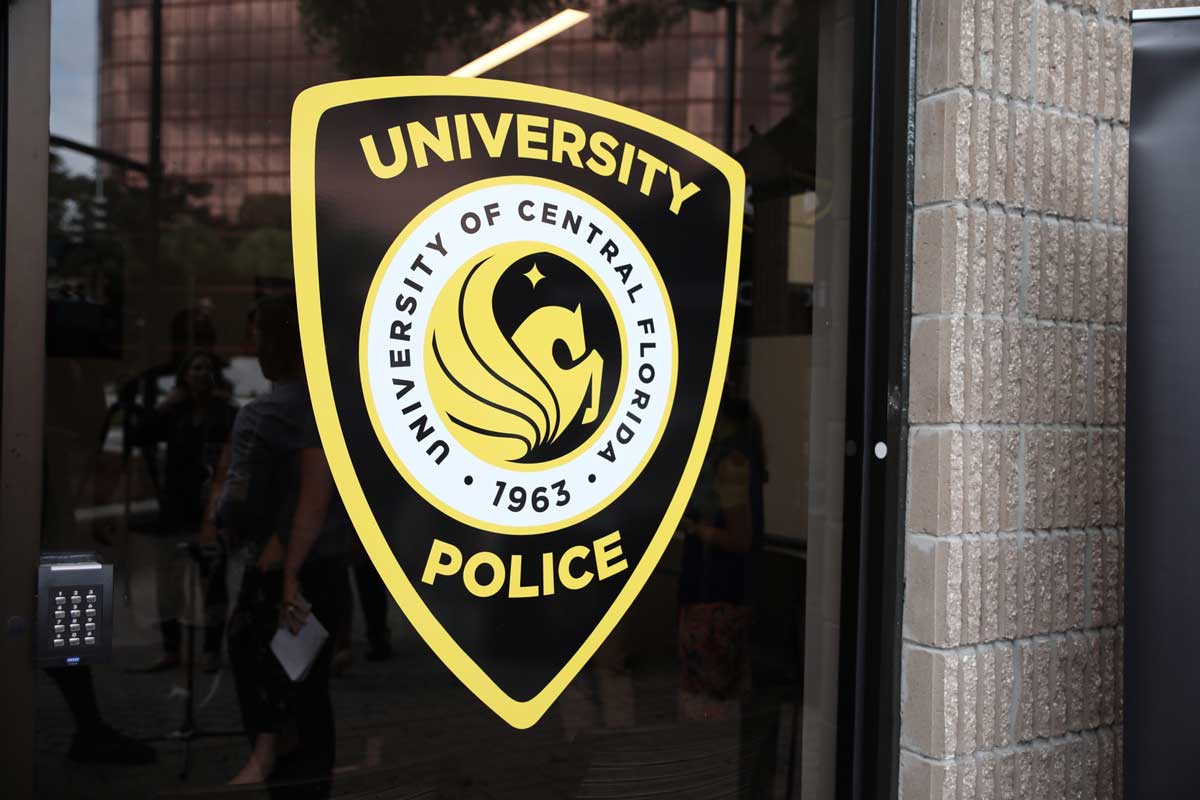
1012 664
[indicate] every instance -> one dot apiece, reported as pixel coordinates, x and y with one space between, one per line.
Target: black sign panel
1162 642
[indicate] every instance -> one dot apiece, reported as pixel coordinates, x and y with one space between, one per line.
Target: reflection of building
231 69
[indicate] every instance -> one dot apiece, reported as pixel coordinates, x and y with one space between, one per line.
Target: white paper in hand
296 652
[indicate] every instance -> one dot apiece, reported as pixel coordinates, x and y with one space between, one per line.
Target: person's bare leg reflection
278 496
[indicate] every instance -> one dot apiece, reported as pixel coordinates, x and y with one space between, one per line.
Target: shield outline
306 114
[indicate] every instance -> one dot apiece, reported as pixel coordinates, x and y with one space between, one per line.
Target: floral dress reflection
722 526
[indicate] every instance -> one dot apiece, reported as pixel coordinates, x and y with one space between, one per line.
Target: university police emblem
516 306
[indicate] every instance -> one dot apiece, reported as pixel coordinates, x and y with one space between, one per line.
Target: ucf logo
516 306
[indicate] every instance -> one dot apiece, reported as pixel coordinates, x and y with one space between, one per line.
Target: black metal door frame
876 403
24 142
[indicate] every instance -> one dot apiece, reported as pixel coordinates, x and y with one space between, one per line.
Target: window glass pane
721 681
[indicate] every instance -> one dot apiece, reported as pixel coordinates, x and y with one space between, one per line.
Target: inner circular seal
518 355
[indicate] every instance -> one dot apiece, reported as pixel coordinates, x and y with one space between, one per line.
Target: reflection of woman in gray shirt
278 498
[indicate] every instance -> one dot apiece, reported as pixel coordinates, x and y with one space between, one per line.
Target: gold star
534 275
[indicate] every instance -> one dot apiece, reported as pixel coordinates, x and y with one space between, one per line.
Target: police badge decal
516 307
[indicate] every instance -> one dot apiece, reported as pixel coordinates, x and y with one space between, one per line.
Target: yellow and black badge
516 306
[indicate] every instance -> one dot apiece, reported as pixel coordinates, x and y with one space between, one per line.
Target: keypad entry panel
74 612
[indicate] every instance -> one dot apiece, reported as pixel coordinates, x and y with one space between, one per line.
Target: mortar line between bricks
1037 638
1038 743
1015 427
1091 325
1030 102
1025 212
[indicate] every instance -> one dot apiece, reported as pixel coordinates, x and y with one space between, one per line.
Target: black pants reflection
211 563
374 598
270 702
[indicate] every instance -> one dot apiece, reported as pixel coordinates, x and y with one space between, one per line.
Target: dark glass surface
173 370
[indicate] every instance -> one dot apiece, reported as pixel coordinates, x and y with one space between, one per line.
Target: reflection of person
74 412
722 526
278 497
194 420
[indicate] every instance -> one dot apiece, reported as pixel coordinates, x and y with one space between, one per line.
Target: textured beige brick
1091 762
1026 774
1076 62
1075 648
1019 135
937 373
1086 155
1060 547
1044 43
1035 159
1119 674
1105 178
1093 76
946 44
1120 171
1097 469
999 273
971 590
1109 688
1052 191
995 391
943 148
1083 271
1014 249
1060 672
1048 269
992 590
924 727
985 787
975 331
1060 56
1101 267
1044 663
1006 788
940 260
985 43
1004 693
979 251
1112 69
931 497
1116 275
1004 46
923 779
1023 49
1045 592
1069 203
1026 694
932 613
1113 578
1125 41
1010 620
1033 511
985 714
1014 371
1106 772
968 777
981 140
968 701
1067 278
1078 572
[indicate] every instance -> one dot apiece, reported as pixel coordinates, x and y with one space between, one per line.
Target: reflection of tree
383 37
264 253
100 247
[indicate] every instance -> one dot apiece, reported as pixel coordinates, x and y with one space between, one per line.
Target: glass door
168 280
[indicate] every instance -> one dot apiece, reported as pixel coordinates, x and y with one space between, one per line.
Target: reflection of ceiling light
519 44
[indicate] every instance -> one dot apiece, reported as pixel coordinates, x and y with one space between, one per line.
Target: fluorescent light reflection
531 38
